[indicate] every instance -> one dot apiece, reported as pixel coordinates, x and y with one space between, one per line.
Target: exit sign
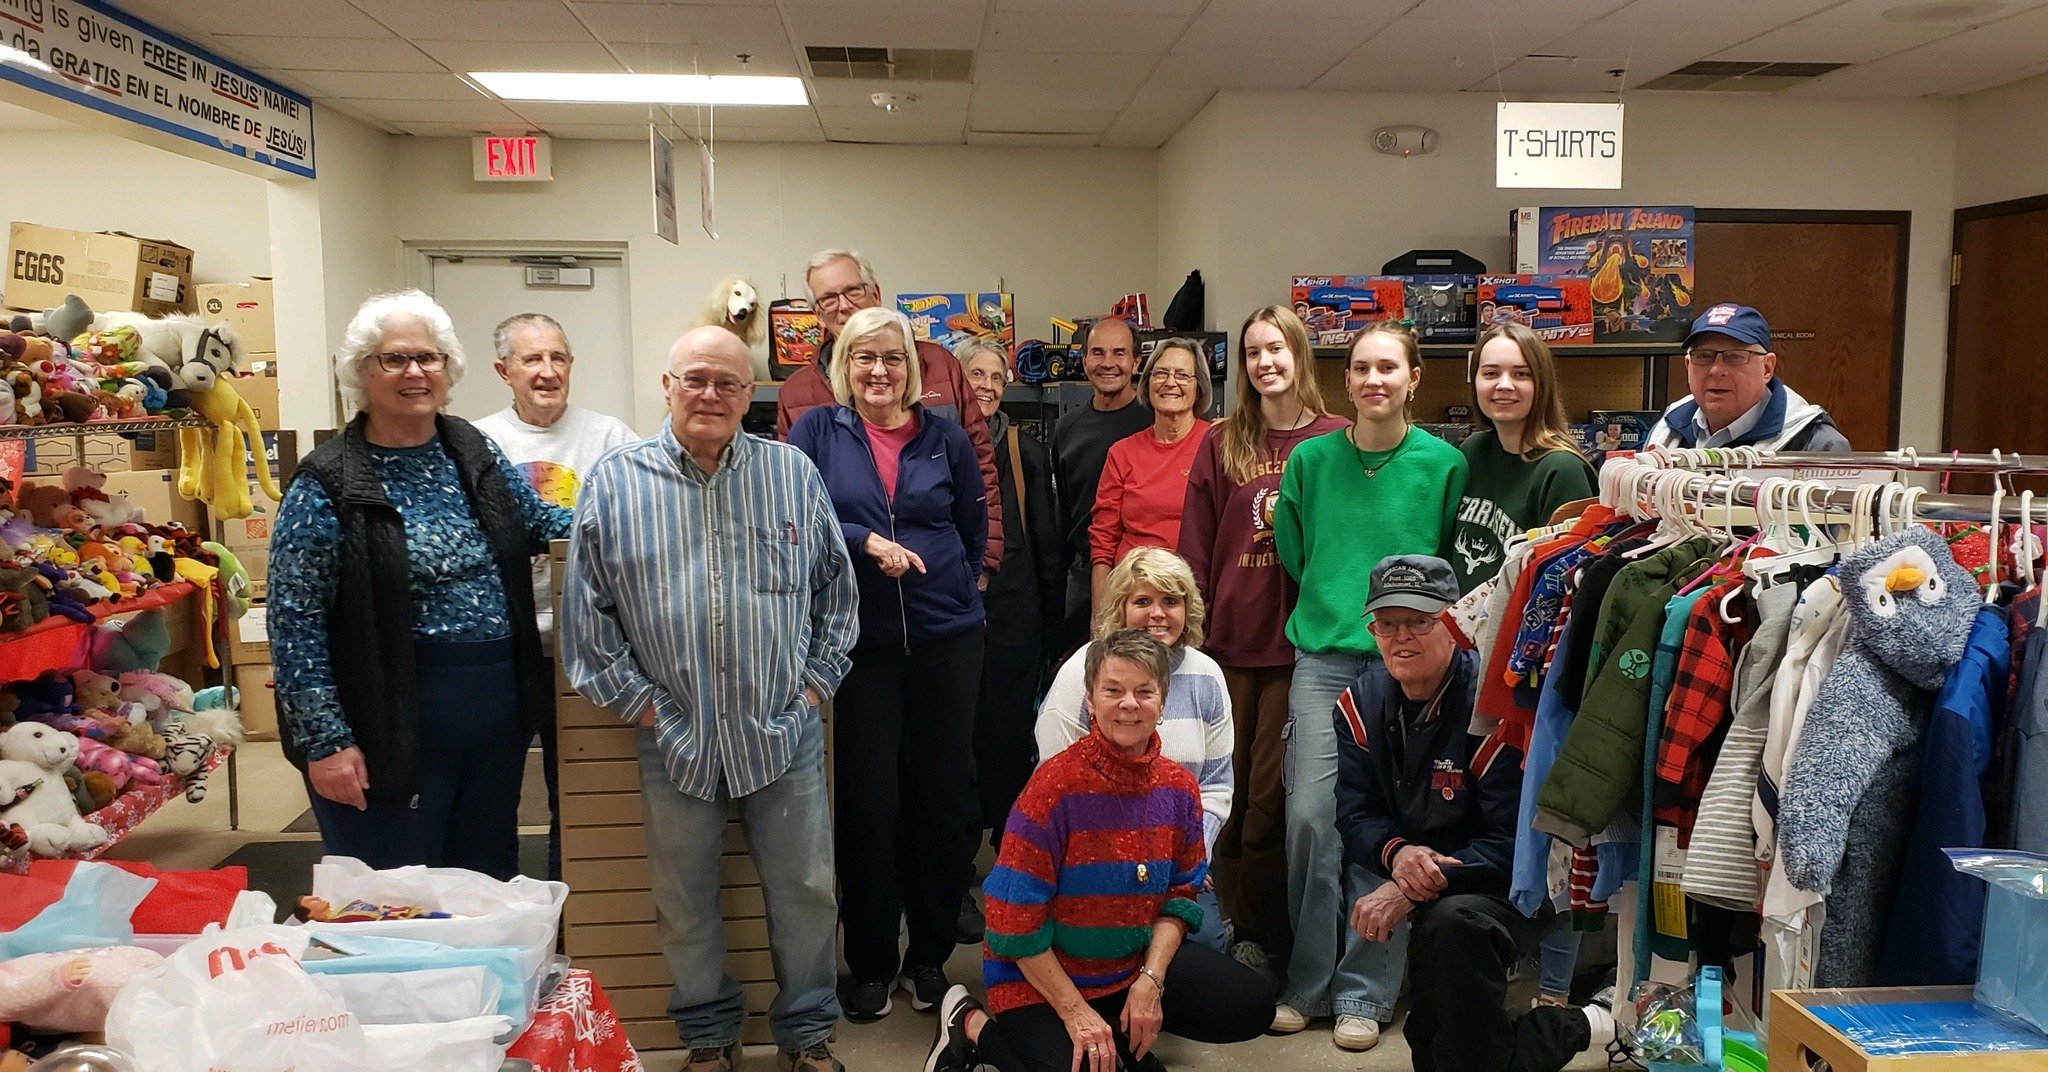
521 159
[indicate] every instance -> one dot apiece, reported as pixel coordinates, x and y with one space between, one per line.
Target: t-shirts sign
90 54
1557 146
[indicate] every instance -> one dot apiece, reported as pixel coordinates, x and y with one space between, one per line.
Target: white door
478 292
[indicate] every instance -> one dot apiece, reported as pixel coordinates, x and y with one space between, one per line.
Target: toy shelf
1583 349
1587 369
126 424
60 641
121 816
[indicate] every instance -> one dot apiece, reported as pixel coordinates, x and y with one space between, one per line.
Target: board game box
1638 261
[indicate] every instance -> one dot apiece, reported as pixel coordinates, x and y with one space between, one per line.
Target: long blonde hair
1244 431
1547 429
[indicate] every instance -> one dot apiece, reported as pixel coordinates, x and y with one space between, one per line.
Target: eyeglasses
429 362
1409 629
1172 376
844 296
863 359
1731 358
693 384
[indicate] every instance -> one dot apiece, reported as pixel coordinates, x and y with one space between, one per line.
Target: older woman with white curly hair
409 669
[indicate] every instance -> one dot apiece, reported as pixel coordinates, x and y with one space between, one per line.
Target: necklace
1374 470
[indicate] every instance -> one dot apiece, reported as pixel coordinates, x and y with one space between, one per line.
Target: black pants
465 809
905 821
549 753
1005 745
1209 998
1460 953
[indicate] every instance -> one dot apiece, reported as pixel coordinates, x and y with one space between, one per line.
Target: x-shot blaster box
1337 307
1558 308
1638 262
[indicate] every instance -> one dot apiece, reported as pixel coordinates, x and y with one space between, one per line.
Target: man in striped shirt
711 604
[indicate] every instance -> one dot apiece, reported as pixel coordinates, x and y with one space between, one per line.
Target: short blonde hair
1159 568
865 325
1204 394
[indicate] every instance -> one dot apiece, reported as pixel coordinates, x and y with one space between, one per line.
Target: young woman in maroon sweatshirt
1226 535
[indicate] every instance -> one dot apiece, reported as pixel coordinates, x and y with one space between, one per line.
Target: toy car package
794 336
1638 260
1337 307
951 319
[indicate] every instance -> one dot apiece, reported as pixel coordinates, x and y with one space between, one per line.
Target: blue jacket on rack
939 513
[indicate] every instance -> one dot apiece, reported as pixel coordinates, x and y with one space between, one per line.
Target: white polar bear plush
33 793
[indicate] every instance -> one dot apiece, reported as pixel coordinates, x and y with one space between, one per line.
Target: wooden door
1832 286
1996 394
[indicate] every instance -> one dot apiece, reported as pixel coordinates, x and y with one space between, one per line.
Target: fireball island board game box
1638 262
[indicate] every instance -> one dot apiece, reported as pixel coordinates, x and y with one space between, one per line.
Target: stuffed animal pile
65 547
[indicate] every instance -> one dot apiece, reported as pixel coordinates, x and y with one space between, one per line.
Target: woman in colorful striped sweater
1092 896
1153 590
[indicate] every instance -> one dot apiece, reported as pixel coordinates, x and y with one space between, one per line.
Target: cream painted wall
1300 190
2002 147
1192 210
1065 230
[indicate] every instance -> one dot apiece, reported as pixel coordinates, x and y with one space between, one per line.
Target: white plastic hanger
1991 567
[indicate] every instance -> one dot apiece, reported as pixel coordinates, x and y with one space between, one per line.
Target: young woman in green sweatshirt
1524 463
1348 499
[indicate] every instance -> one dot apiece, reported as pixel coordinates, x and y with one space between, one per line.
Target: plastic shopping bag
2012 971
360 954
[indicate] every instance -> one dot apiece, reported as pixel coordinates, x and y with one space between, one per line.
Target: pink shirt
887 445
1144 485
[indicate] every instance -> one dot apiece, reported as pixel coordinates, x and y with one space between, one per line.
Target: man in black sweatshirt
1427 812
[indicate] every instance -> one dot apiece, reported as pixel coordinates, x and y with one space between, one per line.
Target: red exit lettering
511 158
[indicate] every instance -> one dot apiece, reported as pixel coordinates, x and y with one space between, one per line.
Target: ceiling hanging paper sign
1550 146
707 192
663 153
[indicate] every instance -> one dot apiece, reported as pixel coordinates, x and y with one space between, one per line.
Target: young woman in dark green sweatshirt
1348 499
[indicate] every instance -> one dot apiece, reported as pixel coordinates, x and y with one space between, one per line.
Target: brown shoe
816 1057
711 1059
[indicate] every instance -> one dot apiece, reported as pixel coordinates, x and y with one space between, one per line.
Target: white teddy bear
33 794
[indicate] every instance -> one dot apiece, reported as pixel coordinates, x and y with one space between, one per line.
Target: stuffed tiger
185 755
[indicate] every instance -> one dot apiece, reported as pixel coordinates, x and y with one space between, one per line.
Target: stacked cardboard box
111 271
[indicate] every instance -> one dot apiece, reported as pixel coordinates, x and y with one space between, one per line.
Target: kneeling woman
1093 896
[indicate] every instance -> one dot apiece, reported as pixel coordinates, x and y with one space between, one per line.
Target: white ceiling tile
855 93
638 133
768 134
1334 10
466 56
1617 43
892 136
915 118
767 58
1418 55
596 131
1035 141
1864 12
953 25
585 4
1044 31
401 111
1308 45
992 113
1145 129
1534 75
1810 43
2002 79
479 20
686 115
313 18
1175 89
315 54
1179 70
1104 7
1132 140
385 85
1944 65
1550 14
670 24
1089 80
1695 13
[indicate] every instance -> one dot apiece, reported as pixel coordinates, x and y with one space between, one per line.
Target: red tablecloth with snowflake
575 1030
121 815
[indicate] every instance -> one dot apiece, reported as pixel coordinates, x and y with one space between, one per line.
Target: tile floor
272 795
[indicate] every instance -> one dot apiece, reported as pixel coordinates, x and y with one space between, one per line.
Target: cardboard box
1337 307
1616 429
102 453
156 491
249 637
259 700
110 270
1638 262
1558 308
253 532
153 450
245 307
261 394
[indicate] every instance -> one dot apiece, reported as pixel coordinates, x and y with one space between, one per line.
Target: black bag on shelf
1185 311
1434 262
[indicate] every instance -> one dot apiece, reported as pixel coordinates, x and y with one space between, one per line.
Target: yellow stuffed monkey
211 470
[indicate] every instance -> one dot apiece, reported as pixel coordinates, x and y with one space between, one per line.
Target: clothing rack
1716 481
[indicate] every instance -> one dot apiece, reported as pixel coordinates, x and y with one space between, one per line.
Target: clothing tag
1666 896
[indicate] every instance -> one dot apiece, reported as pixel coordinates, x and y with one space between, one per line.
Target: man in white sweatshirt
553 443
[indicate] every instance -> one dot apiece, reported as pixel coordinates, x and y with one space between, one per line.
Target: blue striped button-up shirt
715 598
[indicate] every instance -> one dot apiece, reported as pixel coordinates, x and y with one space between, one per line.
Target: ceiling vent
890 64
1737 76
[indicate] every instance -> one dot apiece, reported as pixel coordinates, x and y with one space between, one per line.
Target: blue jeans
1322 977
1558 956
788 828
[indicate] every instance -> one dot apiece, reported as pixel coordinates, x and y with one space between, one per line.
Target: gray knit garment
1720 863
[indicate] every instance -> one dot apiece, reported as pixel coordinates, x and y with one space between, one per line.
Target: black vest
370 628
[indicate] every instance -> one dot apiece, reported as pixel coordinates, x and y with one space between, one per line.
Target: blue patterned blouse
456 592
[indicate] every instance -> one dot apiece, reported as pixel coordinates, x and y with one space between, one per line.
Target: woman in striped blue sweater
1154 590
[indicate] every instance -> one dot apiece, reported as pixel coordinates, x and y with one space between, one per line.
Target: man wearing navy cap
1737 398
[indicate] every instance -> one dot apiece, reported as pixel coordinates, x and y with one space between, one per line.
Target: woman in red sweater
1145 478
1092 898
1226 535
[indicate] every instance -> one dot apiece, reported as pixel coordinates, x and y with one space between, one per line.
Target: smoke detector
1405 140
893 102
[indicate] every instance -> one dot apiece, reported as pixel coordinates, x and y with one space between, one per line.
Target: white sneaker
1602 1023
1286 1020
1356 1033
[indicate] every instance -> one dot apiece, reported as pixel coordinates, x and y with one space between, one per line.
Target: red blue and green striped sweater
1069 878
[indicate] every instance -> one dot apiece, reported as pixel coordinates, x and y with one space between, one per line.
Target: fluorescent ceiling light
643 88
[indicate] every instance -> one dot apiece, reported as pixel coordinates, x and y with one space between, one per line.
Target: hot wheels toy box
1638 260
793 336
951 319
1559 308
1337 307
